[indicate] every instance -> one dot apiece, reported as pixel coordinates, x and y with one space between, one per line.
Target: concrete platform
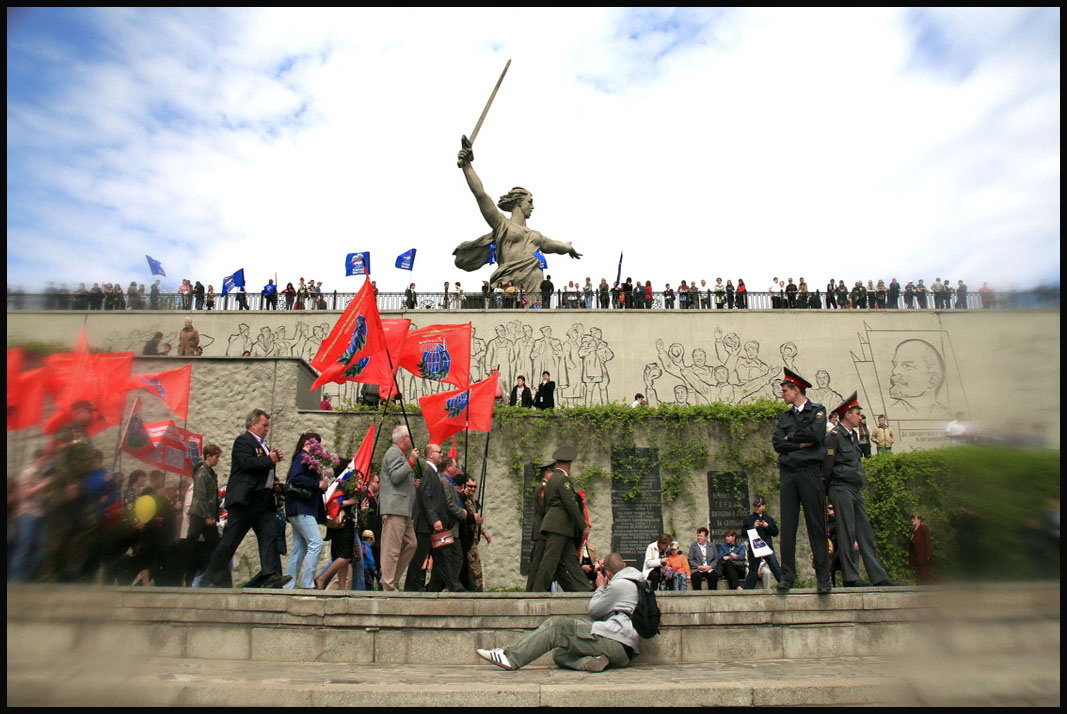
990 644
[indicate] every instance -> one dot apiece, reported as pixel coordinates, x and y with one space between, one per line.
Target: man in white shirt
776 293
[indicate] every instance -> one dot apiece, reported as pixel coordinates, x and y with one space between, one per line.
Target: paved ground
1016 680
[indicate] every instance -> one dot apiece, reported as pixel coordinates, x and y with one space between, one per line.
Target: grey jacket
611 606
696 558
397 495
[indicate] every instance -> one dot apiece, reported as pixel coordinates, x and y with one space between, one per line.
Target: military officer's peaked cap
565 453
791 377
852 401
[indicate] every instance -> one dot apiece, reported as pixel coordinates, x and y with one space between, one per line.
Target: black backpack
645 617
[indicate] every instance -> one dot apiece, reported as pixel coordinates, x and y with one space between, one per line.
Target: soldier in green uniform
844 471
66 509
562 527
539 516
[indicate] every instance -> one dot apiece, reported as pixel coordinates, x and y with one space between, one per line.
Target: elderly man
609 640
397 501
250 505
188 339
437 512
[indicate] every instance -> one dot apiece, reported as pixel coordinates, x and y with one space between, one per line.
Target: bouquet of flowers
319 459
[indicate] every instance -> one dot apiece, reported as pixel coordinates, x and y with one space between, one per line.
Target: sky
854 144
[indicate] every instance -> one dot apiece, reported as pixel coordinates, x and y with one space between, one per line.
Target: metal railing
1038 298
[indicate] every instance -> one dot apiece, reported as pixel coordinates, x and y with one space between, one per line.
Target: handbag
337 521
442 539
292 491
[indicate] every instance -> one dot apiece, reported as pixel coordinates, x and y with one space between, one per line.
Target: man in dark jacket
250 504
437 512
766 529
844 470
798 439
546 292
520 394
546 393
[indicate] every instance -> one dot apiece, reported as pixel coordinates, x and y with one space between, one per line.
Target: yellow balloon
144 508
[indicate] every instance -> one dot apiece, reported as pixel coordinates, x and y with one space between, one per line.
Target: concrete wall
1000 367
917 367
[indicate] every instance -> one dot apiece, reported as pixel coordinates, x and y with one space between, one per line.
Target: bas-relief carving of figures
283 345
300 339
821 393
651 373
788 350
264 344
594 353
240 342
498 355
545 355
917 381
515 243
478 368
569 385
749 365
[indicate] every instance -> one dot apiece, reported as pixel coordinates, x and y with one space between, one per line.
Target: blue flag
492 254
357 264
155 266
406 261
541 259
237 280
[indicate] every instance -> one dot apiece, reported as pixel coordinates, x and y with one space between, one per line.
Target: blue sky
752 143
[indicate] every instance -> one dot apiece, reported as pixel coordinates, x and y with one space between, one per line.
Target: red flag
439 352
452 451
14 369
27 412
135 438
102 380
361 461
171 386
173 449
449 413
354 339
378 369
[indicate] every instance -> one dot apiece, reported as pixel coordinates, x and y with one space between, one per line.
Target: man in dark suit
437 512
520 394
537 536
250 504
546 393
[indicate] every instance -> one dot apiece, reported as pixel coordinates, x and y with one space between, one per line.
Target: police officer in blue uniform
798 439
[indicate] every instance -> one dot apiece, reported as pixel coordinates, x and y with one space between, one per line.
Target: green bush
985 505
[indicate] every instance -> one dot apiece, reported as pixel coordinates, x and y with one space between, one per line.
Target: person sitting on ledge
607 640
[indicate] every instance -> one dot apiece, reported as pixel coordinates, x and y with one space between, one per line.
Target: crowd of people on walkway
629 294
71 519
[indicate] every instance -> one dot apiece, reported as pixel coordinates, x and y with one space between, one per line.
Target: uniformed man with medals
798 439
539 515
844 471
561 526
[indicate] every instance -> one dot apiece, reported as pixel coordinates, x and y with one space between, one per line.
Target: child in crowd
676 571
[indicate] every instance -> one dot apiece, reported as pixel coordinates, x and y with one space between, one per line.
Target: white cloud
763 142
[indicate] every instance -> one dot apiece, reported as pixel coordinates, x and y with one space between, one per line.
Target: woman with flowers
309 476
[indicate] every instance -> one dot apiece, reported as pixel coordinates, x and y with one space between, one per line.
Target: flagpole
122 435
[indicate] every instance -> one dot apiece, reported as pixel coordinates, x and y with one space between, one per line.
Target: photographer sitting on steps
609 640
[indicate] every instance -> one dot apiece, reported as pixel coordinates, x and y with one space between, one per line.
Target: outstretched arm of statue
485 204
547 245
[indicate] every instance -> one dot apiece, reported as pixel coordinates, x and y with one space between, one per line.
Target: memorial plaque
636 522
529 481
728 503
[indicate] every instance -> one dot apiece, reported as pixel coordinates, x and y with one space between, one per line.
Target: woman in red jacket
741 296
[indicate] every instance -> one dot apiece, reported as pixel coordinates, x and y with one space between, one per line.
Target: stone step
415 628
124 681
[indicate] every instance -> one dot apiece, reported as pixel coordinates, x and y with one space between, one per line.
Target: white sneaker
596 664
497 657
